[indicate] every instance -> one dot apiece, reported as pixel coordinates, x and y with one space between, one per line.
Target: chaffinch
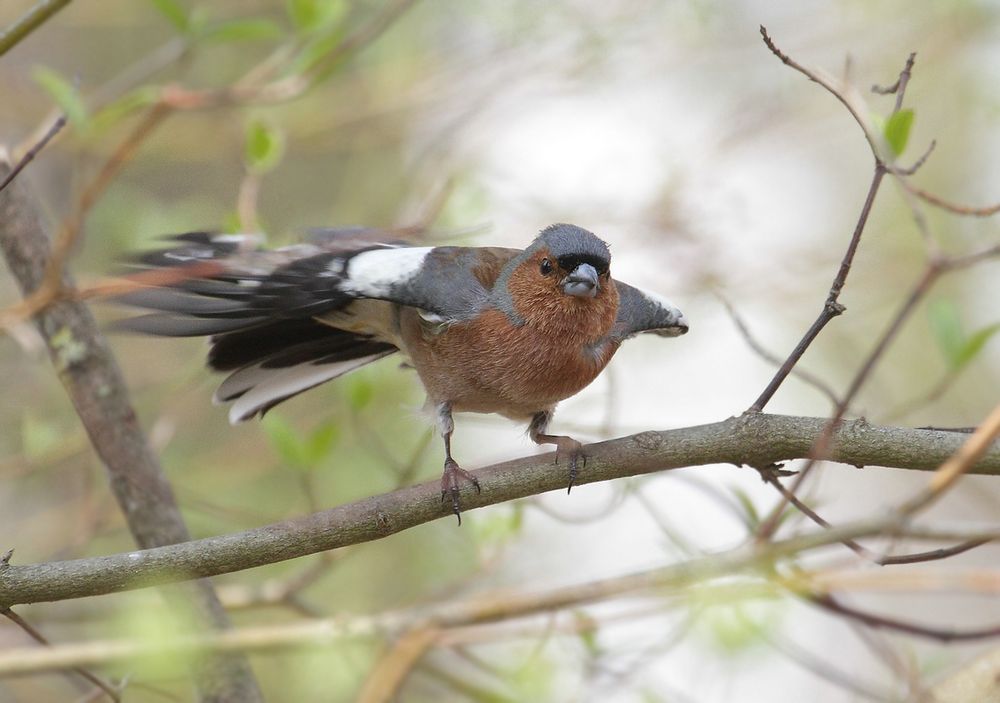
487 329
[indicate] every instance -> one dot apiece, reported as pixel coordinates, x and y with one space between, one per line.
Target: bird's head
564 275
568 260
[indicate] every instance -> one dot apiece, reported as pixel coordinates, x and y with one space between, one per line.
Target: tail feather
274 386
260 309
169 325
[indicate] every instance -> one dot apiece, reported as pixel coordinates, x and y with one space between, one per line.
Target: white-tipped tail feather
256 388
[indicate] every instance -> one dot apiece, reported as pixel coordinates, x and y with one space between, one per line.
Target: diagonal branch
29 22
831 306
756 439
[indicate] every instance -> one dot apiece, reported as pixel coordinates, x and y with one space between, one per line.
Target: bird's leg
453 473
564 445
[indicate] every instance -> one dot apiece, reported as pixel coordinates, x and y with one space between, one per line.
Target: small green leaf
285 441
175 12
124 106
360 393
265 145
63 93
250 29
947 330
975 343
897 130
321 443
314 15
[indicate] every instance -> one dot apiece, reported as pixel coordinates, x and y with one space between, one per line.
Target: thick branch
753 439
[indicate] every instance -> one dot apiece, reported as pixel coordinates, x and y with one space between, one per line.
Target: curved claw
451 482
574 452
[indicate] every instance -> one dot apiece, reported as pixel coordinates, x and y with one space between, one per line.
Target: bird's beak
582 282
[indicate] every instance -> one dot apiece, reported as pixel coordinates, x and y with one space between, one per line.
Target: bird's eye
546 267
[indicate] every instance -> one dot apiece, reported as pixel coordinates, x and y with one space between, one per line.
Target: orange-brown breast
489 364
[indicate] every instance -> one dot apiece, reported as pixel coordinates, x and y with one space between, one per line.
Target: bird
487 329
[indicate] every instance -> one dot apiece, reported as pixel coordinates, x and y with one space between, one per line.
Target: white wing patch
374 273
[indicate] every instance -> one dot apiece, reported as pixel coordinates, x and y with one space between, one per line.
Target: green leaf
947 330
314 15
321 443
897 130
285 441
265 145
360 393
175 12
975 343
250 29
63 93
124 106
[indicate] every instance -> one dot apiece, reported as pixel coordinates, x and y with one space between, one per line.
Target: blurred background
714 172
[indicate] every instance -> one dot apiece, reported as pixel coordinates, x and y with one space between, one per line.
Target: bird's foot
573 451
451 481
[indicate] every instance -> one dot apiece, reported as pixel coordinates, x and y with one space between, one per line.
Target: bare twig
832 307
389 674
957 465
249 92
862 551
30 155
939 634
808 378
29 22
35 634
938 201
52 286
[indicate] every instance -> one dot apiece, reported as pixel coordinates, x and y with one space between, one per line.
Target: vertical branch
93 381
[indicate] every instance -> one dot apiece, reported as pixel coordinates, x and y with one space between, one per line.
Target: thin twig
957 465
244 92
51 287
757 347
938 201
939 634
30 155
831 307
388 675
29 22
107 688
862 551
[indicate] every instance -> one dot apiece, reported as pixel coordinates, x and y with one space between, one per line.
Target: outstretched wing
640 311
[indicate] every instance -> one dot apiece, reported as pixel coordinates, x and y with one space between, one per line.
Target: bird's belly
513 371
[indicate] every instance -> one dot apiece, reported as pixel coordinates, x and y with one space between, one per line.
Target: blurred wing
640 311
